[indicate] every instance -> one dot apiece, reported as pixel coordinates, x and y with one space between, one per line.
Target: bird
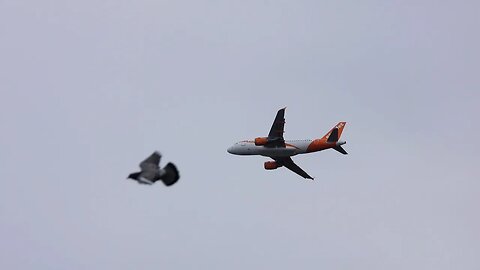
150 172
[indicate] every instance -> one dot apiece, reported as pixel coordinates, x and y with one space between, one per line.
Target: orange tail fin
334 134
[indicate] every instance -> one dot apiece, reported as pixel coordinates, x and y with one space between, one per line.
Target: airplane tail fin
340 149
334 134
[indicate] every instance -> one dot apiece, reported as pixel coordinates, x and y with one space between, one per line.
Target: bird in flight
150 171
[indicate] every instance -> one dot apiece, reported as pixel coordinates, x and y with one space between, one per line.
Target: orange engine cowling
261 141
271 165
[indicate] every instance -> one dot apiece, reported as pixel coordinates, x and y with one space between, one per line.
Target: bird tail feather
171 175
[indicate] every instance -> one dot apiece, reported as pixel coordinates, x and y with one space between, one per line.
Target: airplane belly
278 151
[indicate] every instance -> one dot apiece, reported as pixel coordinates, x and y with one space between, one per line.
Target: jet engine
271 165
261 141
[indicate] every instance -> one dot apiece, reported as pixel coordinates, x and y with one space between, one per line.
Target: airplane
281 151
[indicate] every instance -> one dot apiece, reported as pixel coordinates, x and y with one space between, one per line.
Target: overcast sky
89 88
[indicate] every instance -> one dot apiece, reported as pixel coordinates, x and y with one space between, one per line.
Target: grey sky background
90 88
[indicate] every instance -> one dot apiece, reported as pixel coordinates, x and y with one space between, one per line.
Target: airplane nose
229 150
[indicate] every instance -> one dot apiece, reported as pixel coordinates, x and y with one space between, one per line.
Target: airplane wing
275 136
151 162
289 164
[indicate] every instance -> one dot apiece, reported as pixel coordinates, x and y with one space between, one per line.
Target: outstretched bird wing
152 162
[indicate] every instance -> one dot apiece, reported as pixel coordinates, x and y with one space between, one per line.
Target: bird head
133 175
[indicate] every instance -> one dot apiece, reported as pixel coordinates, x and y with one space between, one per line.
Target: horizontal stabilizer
340 149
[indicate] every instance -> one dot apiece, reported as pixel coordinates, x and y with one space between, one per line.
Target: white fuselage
292 148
